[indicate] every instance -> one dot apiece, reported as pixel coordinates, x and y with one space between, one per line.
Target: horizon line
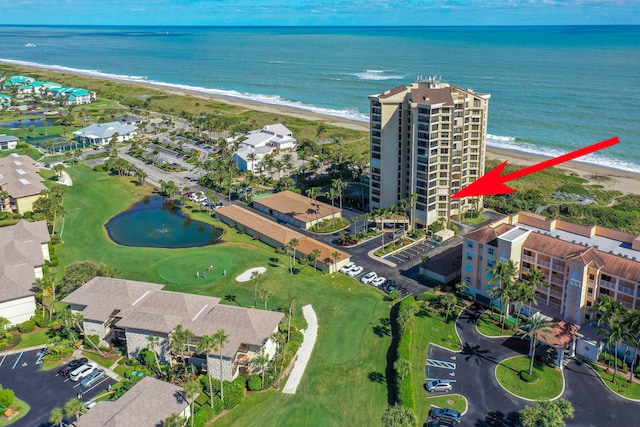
318 26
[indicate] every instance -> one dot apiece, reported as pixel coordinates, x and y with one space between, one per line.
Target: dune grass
344 383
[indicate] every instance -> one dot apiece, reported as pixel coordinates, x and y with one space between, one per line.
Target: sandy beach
613 179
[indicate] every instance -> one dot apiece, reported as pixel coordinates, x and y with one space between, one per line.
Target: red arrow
493 182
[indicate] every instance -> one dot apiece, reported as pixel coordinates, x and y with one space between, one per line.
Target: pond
37 122
155 222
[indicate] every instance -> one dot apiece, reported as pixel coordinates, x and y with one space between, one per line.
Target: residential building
296 209
72 95
24 248
279 236
102 133
129 312
259 143
19 177
8 142
147 404
16 81
5 101
579 263
427 139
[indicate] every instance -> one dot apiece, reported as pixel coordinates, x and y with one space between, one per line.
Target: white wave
510 143
376 75
350 114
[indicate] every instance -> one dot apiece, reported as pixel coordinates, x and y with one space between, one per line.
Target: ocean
553 89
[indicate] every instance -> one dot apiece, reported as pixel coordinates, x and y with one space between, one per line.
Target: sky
320 12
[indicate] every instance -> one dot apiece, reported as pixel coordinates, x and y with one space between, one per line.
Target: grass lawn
548 386
486 326
38 337
453 401
344 382
106 362
428 329
474 221
47 366
23 411
622 385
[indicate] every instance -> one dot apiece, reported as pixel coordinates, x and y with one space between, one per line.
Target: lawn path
304 352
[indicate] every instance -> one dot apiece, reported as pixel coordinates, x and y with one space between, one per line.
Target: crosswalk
441 364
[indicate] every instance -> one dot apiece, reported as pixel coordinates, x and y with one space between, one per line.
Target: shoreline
615 179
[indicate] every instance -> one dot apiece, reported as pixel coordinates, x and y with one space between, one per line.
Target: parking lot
411 253
42 390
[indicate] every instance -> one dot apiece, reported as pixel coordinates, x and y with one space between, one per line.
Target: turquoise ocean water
554 89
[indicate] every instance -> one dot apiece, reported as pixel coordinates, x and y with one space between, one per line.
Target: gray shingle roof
19 176
20 254
146 404
105 130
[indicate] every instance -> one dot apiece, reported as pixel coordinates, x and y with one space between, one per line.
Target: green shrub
27 326
202 415
297 337
405 394
428 296
234 392
215 383
147 357
255 383
100 168
60 350
41 321
529 378
6 397
218 406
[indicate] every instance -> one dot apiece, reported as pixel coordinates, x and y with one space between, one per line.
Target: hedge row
405 396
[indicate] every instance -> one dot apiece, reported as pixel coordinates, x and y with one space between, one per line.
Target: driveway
42 390
490 405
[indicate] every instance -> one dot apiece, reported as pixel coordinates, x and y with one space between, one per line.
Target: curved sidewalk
305 350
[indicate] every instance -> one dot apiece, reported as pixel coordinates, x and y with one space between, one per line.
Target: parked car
347 267
390 287
71 366
92 378
438 385
446 414
368 278
81 372
378 281
439 423
355 271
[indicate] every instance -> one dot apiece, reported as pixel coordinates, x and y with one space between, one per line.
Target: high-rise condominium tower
427 140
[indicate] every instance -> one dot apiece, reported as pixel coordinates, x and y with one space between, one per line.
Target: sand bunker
246 276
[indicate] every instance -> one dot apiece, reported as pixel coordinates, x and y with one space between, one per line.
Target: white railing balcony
558 268
555 293
626 291
528 258
556 281
544 263
607 284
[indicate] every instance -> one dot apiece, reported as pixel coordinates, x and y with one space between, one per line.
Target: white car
347 267
368 278
82 371
355 271
378 281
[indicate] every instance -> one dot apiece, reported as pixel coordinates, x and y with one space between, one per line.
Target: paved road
491 406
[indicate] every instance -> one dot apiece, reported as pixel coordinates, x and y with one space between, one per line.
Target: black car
76 363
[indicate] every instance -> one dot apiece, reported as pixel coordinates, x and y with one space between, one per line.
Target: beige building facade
427 139
579 263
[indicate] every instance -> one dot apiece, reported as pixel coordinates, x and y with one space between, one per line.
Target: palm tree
154 342
260 361
141 175
632 320
401 367
174 420
293 244
314 256
191 391
314 192
335 256
265 294
338 185
535 279
179 340
280 340
74 408
291 301
535 324
448 300
220 338
207 346
332 195
503 272
255 275
57 416
608 310
616 335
